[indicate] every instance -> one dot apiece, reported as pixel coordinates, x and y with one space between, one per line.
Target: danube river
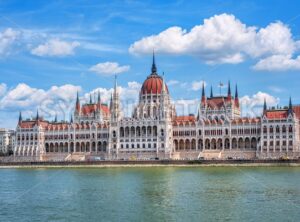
151 194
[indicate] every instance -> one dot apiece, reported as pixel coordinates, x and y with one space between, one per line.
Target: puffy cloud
109 68
172 82
57 99
60 100
3 89
7 38
278 63
186 106
252 105
221 39
196 85
55 47
275 39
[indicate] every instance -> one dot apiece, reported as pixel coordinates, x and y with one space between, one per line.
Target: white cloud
221 39
3 89
252 105
57 99
278 63
276 89
7 38
55 47
186 106
109 68
172 82
196 85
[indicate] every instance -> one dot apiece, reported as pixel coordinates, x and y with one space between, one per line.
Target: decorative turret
20 117
91 101
153 68
37 118
265 105
111 102
290 106
203 97
99 98
236 97
115 103
77 107
229 93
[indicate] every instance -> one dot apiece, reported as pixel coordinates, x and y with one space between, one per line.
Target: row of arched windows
240 143
278 129
76 147
139 131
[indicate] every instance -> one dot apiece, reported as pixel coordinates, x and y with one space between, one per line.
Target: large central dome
154 83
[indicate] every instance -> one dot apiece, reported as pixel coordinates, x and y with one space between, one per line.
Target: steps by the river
76 157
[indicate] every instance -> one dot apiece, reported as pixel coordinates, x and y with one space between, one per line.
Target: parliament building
99 131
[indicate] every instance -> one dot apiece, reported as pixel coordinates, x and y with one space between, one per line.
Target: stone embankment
146 163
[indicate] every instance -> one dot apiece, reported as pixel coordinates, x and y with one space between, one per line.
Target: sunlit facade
154 131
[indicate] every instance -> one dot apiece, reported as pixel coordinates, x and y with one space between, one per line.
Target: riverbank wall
149 163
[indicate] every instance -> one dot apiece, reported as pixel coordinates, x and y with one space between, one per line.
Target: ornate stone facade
155 130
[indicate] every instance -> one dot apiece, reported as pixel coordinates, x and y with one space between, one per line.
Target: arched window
162 132
284 129
277 129
265 129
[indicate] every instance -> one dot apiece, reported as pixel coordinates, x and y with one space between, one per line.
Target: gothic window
284 129
162 132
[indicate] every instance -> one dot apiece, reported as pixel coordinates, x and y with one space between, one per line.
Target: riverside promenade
149 163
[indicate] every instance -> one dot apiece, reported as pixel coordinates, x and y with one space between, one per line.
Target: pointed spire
265 105
229 89
290 106
203 98
111 102
236 92
99 98
77 106
37 114
77 99
115 83
153 68
91 101
211 92
20 117
236 96
229 93
163 83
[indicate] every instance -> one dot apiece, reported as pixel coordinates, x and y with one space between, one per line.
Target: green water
151 194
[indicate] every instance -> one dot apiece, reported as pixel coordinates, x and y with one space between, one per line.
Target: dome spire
153 68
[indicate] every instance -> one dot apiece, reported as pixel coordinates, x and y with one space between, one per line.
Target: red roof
153 84
276 114
184 120
29 124
216 102
90 108
296 110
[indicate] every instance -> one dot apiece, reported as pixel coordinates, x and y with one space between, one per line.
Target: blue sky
48 51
